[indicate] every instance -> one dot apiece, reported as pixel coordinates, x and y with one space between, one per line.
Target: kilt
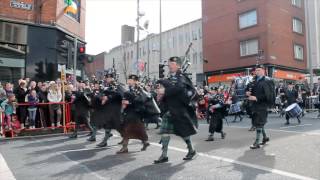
133 130
166 124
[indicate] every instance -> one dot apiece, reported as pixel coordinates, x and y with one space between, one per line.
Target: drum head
289 108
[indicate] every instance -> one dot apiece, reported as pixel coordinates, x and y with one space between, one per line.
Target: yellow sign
63 73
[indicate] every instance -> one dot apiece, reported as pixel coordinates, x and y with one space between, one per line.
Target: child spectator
32 108
9 108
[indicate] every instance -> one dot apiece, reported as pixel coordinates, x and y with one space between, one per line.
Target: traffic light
161 71
82 50
81 56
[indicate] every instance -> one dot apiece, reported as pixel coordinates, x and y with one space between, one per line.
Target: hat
134 77
290 83
176 59
259 66
109 73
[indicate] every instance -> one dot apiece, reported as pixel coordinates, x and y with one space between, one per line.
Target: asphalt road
292 153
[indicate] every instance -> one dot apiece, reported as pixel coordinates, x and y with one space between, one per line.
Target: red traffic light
82 50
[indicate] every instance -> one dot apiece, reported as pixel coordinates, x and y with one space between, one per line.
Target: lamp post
160 35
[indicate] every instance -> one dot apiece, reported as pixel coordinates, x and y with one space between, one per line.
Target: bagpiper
180 115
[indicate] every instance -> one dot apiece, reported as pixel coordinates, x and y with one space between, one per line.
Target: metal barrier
13 130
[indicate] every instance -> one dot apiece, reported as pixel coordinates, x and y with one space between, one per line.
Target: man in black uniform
180 116
217 112
133 105
81 102
291 96
107 109
258 96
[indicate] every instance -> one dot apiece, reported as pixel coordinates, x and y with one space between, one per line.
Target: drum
294 110
234 108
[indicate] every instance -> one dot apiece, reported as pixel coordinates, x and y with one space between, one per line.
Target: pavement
292 153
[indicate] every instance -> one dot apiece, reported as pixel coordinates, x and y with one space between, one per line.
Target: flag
71 7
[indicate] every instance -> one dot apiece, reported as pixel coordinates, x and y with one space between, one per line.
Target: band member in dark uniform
280 93
180 116
291 96
259 98
107 109
133 110
248 104
217 111
81 103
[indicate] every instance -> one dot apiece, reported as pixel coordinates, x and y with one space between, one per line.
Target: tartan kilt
166 126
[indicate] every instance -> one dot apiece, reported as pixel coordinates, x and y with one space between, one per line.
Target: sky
104 19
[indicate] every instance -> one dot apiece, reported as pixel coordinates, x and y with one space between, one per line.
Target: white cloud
104 19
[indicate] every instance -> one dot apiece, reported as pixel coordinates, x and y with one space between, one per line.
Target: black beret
134 77
259 66
176 59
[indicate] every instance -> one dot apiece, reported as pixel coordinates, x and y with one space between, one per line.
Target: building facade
241 33
312 11
35 36
175 42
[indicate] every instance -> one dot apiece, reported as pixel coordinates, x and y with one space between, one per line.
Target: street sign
63 72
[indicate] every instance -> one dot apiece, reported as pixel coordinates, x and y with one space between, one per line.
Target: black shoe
287 123
190 155
102 144
158 126
210 138
223 135
145 145
161 160
73 136
264 141
91 139
241 119
255 146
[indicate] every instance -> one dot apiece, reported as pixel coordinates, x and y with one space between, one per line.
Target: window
180 39
194 35
195 58
1 30
7 31
15 34
298 51
201 56
187 37
249 47
297 3
173 41
297 25
248 19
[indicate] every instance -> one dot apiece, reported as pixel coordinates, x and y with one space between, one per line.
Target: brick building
240 32
36 36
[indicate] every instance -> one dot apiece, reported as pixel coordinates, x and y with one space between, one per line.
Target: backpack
270 92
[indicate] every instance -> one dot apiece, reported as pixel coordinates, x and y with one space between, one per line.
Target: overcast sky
104 19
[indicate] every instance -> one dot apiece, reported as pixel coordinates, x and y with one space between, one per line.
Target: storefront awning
223 77
288 75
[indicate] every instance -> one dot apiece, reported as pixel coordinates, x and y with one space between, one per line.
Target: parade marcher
217 112
133 114
261 96
82 104
291 96
248 104
106 109
180 117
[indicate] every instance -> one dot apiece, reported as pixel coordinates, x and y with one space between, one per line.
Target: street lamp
145 28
